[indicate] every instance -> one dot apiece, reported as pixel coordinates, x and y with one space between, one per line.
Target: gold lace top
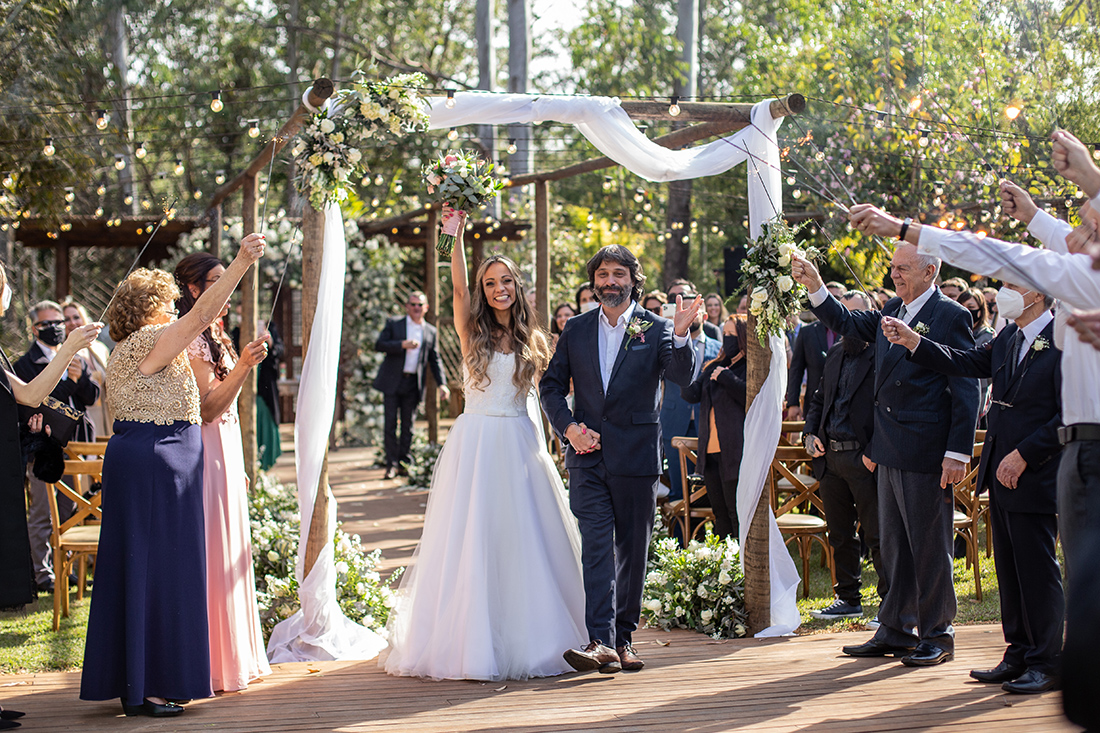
162 398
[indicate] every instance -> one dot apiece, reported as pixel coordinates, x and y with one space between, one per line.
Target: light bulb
140 152
48 149
146 204
102 190
197 195
1096 152
849 170
219 178
790 180
120 162
254 128
638 196
1012 111
101 120
128 200
99 211
819 156
379 180
69 195
216 101
914 103
452 134
8 180
450 99
923 141
179 167
674 108
607 183
512 146
880 120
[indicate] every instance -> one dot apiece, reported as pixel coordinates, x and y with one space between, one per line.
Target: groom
616 356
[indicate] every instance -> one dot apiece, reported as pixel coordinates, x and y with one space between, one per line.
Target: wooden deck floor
692 684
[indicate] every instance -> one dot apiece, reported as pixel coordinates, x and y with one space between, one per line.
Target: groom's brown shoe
594 656
629 658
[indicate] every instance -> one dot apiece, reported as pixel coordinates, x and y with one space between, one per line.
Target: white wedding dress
495 589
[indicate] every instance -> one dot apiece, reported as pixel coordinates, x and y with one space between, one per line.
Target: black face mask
52 335
977 316
730 346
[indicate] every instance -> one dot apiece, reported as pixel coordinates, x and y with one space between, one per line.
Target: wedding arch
319 629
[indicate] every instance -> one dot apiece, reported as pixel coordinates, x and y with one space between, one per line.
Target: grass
29 644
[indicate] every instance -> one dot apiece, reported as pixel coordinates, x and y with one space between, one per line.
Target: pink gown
237 653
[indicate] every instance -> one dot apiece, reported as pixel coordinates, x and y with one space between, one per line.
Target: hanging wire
137 259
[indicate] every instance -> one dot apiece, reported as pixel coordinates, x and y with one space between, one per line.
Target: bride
496 591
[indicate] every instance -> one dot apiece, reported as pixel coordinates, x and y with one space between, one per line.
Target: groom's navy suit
613 491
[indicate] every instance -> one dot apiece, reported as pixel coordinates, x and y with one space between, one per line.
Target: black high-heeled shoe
152 709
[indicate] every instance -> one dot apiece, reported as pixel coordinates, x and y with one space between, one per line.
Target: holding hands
897 332
582 439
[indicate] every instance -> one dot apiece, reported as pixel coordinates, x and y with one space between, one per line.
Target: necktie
1014 352
902 312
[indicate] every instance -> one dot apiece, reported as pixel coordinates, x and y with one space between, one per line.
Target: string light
638 195
849 170
674 108
197 195
379 180
253 128
923 141
48 149
128 200
216 101
1012 111
179 167
219 177
606 183
451 99
511 146
120 162
880 121
452 134
1096 151
101 120
140 152
69 195
914 103
8 181
102 190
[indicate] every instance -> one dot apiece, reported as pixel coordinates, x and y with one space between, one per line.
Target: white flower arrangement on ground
774 295
463 181
331 149
699 587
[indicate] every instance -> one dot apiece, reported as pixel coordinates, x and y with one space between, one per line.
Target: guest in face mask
974 301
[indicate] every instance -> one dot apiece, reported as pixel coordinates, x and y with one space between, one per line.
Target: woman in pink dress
237 653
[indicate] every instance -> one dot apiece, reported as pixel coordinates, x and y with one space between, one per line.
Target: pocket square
639 347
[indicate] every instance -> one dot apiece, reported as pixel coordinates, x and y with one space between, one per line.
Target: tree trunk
755 552
117 50
519 56
487 75
678 243
292 202
246 401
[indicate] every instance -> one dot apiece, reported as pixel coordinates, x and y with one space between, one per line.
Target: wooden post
246 401
61 271
758 598
214 245
431 289
542 252
313 239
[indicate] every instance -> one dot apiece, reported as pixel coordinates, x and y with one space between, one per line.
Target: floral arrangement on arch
699 587
774 296
369 113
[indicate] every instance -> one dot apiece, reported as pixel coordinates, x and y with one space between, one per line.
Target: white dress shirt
699 343
414 332
1068 277
610 340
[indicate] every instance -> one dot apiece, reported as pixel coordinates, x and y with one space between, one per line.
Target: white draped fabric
320 630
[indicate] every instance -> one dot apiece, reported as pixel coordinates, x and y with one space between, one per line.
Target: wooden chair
800 526
983 498
968 510
75 535
77 450
686 512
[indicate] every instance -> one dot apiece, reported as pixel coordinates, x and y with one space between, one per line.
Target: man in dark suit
1019 466
840 421
409 344
808 351
75 389
615 357
923 438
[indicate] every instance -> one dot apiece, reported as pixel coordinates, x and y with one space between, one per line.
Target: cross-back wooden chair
968 510
983 498
78 450
78 535
793 493
686 512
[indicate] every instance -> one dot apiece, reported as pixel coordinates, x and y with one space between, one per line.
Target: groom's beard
611 295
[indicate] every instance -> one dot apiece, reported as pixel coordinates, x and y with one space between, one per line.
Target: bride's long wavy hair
529 341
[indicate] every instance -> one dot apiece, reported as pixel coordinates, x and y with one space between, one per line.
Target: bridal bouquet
463 181
774 295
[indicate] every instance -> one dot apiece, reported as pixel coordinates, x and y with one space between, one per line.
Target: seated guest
95 356
839 425
1019 465
716 309
148 629
653 300
720 392
561 314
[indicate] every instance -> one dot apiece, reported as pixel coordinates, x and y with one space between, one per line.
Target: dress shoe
594 656
391 472
9 724
927 655
875 648
1031 682
1003 672
152 709
10 714
629 658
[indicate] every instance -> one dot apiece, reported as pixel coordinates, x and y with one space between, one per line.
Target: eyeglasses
415 305
47 324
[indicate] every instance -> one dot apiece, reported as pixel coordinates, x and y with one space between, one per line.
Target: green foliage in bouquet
774 296
465 182
699 587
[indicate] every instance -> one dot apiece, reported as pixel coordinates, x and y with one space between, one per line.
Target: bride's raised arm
460 279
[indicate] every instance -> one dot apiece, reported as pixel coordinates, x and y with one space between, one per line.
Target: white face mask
1010 303
590 305
5 300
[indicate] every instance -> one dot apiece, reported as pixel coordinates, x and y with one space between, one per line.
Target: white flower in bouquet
336 137
785 250
706 615
724 577
342 568
760 294
316 159
784 260
327 125
298 149
272 556
354 156
328 157
785 283
653 605
679 610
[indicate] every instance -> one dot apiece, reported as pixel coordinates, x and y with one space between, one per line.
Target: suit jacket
807 358
726 395
627 417
920 414
861 408
389 341
80 393
1030 425
676 412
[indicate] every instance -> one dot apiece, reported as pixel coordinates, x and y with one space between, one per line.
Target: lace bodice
499 396
162 398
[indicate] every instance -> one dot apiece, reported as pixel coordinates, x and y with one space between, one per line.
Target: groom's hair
623 256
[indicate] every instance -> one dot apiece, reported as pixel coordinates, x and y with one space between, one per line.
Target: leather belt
1078 431
838 446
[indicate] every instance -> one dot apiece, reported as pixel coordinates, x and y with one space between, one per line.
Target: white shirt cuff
679 341
819 296
929 241
961 457
1044 227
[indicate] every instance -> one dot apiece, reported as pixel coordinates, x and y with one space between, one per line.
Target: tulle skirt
495 591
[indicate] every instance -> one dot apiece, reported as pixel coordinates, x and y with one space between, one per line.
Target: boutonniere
1039 344
921 328
636 329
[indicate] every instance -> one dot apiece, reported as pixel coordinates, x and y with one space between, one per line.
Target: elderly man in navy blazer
923 439
615 356
1019 465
